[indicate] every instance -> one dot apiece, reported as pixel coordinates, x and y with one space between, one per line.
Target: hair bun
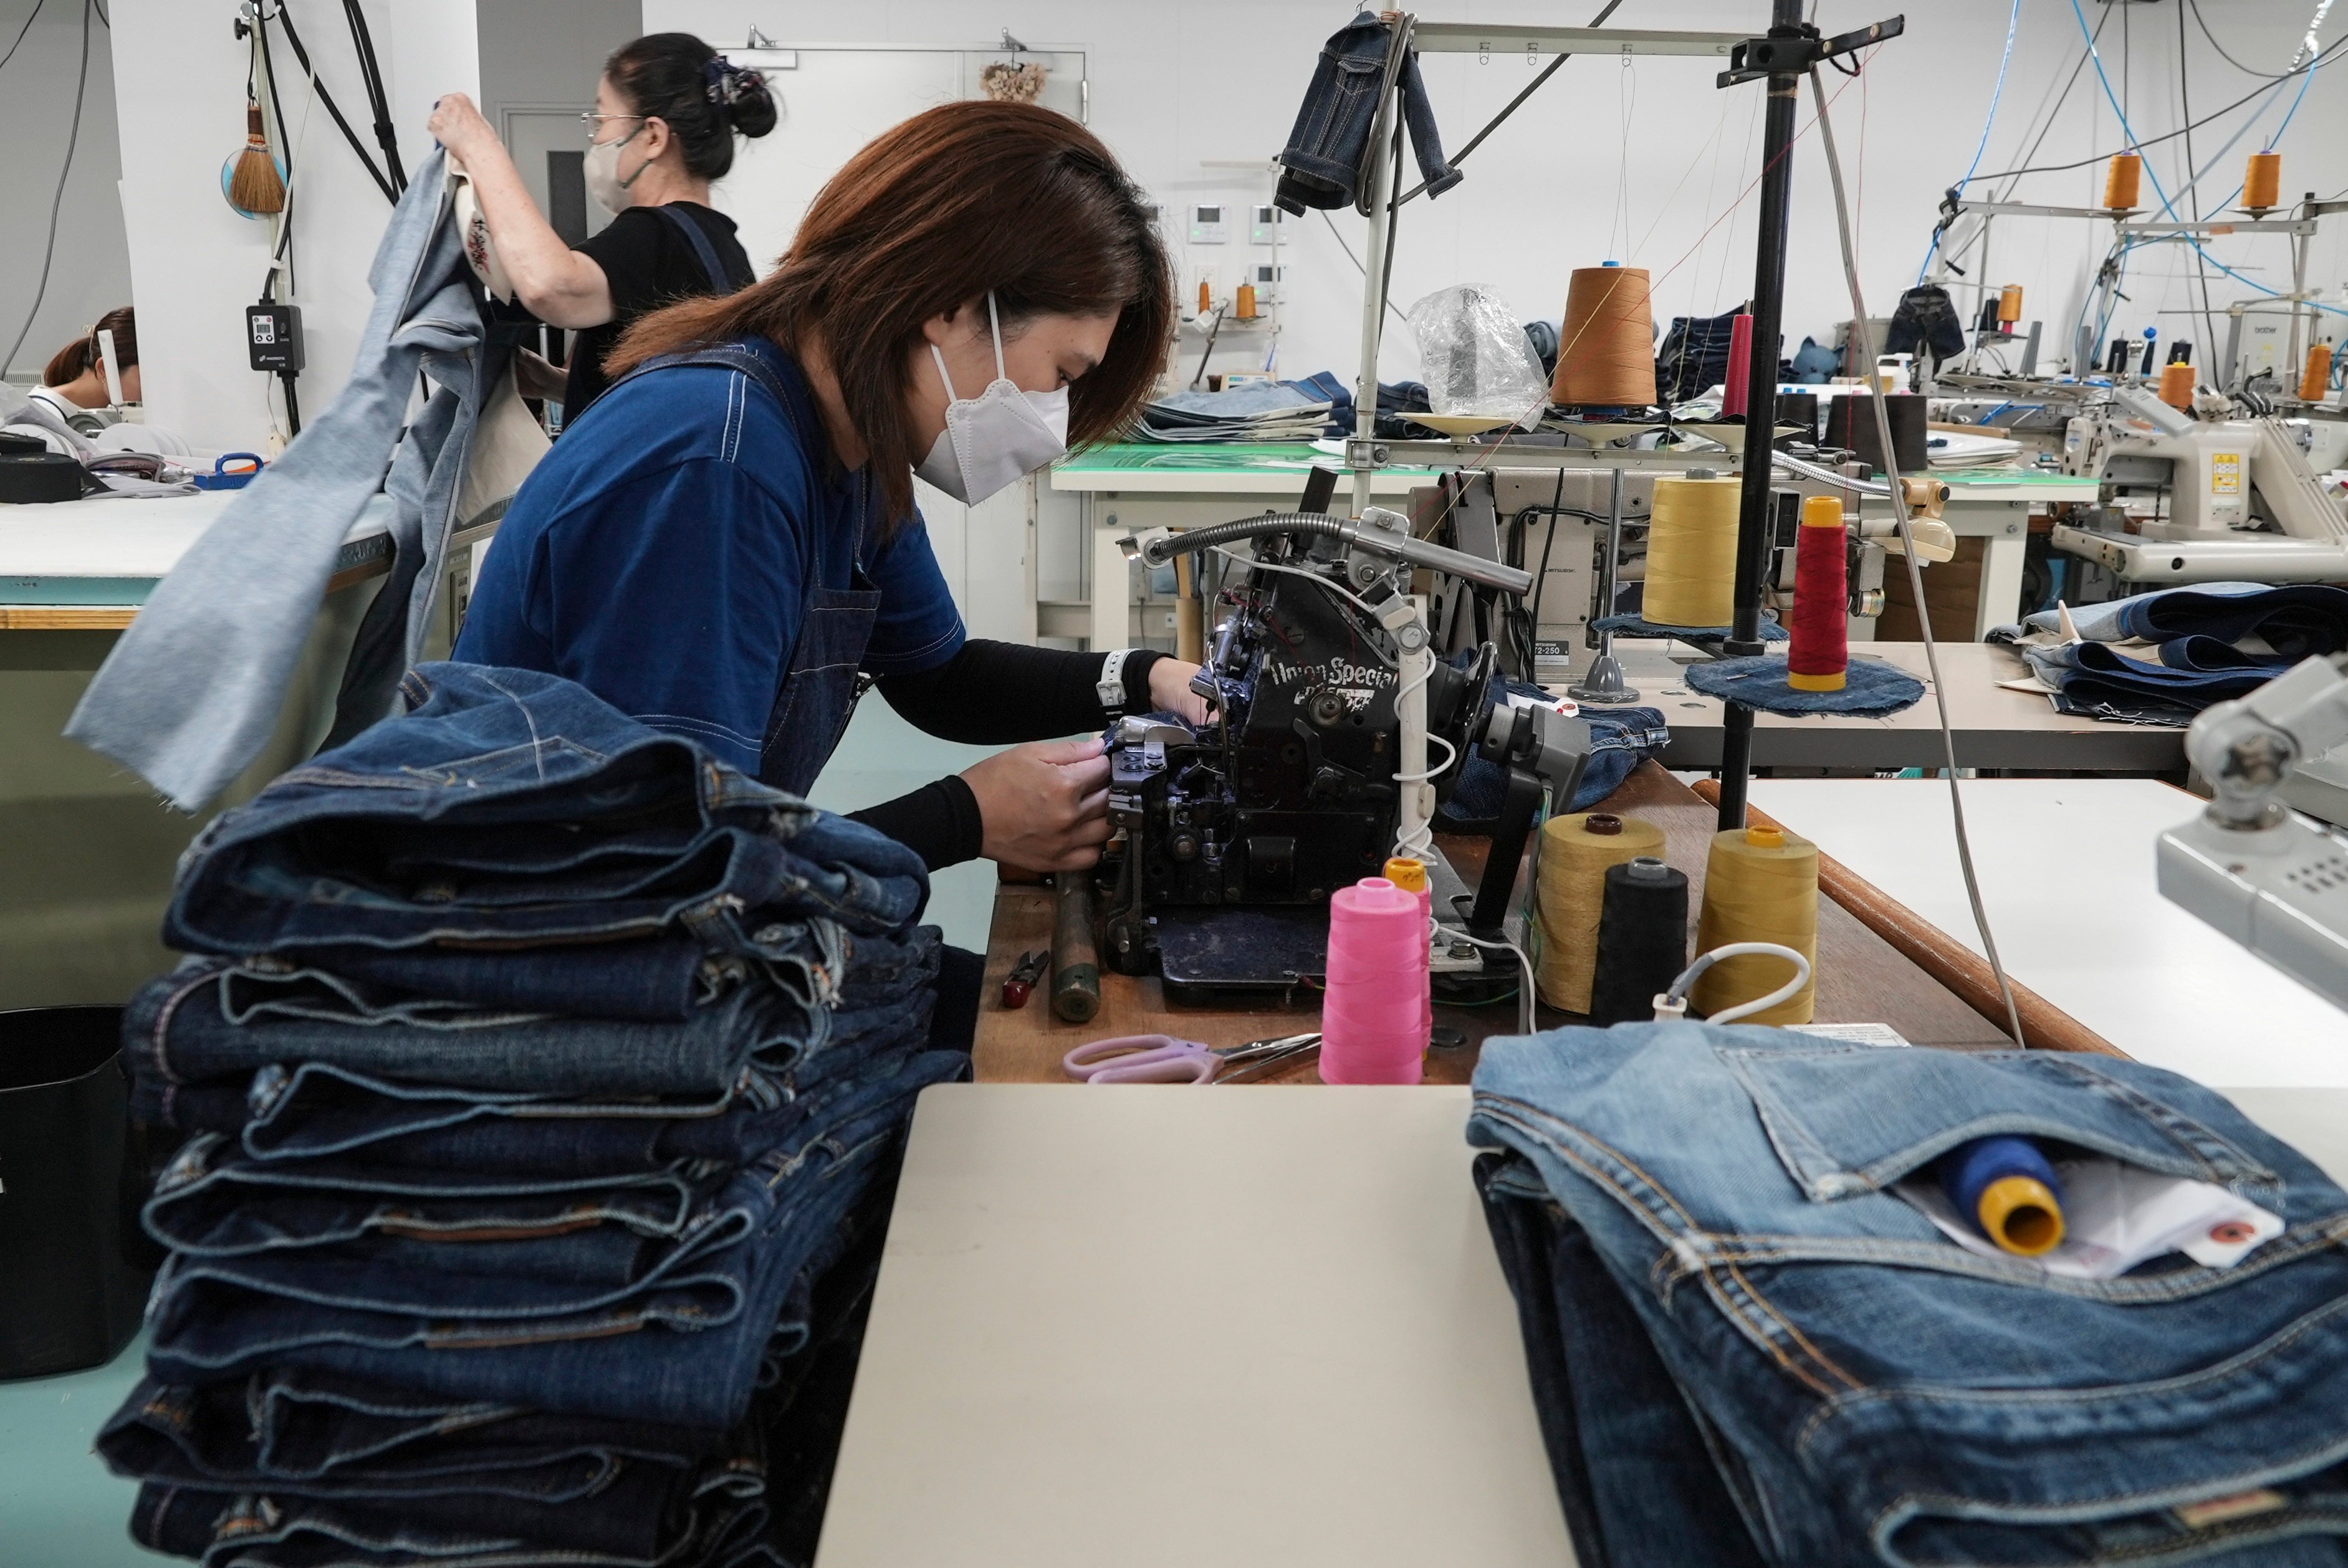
740 94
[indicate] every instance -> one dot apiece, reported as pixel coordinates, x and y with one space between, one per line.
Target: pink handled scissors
1162 1059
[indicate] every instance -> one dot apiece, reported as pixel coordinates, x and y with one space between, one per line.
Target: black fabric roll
1850 425
1642 943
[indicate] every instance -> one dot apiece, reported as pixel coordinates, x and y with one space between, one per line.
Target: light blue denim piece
1878 1394
192 691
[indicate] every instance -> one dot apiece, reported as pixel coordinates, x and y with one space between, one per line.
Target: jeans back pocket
1848 1119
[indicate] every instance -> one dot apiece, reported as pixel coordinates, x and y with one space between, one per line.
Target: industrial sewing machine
1326 694
2188 500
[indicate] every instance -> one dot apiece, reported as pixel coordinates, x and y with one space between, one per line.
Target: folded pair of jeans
2291 622
515 808
1868 1391
317 1111
645 1519
2092 672
376 1445
693 1342
212 1200
219 1018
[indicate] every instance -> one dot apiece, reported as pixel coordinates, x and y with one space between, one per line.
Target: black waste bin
73 1266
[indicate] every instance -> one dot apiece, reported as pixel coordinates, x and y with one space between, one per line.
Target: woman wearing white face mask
726 544
667 112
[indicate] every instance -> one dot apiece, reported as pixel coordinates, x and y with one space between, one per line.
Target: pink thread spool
1375 1017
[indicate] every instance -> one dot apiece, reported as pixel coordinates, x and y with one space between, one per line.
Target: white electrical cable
1673 1003
1524 997
1915 572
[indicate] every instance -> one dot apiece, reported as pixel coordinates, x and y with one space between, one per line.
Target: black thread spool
1642 940
1850 425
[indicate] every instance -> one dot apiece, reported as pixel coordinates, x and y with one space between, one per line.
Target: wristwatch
1110 687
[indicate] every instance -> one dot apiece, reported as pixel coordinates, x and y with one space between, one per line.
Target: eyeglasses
594 122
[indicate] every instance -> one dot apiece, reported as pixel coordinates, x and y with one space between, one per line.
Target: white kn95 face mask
993 439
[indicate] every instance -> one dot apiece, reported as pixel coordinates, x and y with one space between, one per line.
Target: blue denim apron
818 691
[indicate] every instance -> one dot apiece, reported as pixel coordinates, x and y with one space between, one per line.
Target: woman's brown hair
931 214
79 355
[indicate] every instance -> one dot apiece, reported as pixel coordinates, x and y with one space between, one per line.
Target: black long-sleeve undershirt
990 693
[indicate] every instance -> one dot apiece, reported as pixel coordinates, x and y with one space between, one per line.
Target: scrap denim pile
2161 658
1747 1350
544 1081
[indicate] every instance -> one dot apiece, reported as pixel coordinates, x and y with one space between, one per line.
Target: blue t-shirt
662 553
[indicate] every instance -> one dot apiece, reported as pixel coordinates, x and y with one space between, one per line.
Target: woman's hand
1044 807
1170 690
458 126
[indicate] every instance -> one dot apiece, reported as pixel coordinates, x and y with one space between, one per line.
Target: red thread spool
1740 360
1821 648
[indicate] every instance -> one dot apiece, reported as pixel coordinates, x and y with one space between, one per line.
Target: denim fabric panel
212 1018
2108 622
619 1366
211 1202
203 1437
194 688
2208 656
1620 740
1870 689
1638 1485
2092 673
2294 621
2298 621
1832 1333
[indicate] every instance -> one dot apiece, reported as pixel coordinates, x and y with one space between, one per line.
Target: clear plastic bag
1474 357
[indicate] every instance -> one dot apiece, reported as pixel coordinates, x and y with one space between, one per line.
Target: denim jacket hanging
1322 161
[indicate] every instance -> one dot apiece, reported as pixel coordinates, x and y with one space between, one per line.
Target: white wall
195 264
1561 186
90 273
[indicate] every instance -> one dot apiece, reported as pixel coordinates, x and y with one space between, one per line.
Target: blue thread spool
2006 1186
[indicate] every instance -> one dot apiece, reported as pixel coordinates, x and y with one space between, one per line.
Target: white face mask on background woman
603 169
993 439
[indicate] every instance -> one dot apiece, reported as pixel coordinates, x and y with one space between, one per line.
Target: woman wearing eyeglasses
667 110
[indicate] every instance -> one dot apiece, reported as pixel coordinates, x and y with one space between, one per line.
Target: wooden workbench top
1862 979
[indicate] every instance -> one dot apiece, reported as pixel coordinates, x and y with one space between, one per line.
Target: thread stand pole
1603 682
1379 206
1753 517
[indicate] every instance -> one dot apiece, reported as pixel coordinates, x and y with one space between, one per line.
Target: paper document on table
1856 1033
2116 1216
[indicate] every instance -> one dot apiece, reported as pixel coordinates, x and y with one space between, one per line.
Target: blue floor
59 1507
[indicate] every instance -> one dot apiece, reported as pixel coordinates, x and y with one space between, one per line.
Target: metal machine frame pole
1755 516
1374 199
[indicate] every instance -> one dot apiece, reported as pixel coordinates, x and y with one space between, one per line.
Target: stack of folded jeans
543 1082
1745 1349
2161 658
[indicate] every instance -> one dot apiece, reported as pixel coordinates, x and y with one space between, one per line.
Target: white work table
1994 726
2067 870
1261 1330
88 565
